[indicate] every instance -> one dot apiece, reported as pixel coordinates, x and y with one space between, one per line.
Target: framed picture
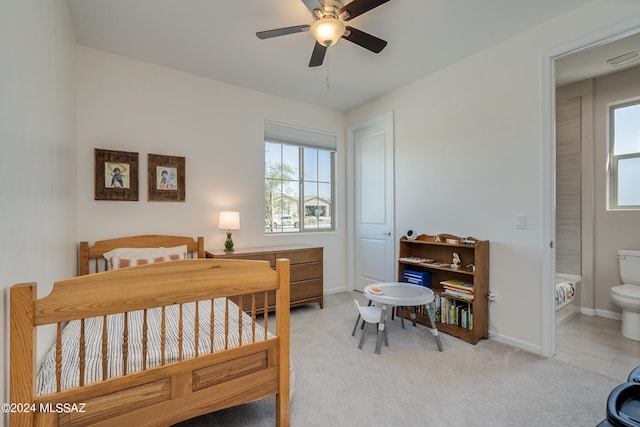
166 176
116 175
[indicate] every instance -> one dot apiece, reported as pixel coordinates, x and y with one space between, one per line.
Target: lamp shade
229 220
327 31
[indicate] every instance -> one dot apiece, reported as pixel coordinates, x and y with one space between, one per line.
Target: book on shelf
458 313
458 294
460 284
458 289
434 309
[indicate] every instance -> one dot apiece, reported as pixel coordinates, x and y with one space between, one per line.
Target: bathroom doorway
581 337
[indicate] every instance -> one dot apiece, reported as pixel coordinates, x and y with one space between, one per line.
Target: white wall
469 147
37 153
135 106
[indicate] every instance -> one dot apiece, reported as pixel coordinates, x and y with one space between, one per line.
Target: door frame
548 176
387 117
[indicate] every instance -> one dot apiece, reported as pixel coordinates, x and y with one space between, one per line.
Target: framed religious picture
166 177
116 175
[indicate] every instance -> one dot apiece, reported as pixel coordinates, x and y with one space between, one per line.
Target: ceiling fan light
327 31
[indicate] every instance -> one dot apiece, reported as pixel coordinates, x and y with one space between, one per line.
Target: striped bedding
46 379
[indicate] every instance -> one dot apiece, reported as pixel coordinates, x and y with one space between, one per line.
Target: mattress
46 378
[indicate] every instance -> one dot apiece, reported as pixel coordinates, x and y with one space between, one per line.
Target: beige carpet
411 383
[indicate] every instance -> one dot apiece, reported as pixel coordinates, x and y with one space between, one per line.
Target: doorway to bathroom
586 331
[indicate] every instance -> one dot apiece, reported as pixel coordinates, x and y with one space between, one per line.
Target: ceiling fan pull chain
328 56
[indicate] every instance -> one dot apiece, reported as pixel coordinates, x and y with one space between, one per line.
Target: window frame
614 159
270 230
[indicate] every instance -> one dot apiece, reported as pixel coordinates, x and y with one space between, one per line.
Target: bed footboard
216 376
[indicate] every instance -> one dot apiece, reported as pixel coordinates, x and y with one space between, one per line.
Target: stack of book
456 299
457 289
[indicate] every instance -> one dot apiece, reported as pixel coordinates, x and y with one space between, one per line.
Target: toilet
627 295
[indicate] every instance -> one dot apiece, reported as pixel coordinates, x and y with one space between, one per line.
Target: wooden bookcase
439 257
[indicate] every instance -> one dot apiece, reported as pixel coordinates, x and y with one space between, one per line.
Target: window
624 156
299 168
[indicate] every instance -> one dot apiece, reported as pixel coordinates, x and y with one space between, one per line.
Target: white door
374 240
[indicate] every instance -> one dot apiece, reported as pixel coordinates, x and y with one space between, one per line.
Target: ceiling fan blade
358 7
365 40
282 31
311 4
317 57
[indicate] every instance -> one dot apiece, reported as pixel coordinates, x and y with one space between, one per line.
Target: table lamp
229 220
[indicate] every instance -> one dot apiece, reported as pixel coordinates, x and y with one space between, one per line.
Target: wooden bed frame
92 255
161 395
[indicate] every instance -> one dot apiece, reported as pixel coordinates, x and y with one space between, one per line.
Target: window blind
288 134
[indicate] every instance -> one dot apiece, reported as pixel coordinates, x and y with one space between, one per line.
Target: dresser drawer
306 270
312 270
302 256
306 290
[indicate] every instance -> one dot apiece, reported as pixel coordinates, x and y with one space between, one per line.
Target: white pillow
128 257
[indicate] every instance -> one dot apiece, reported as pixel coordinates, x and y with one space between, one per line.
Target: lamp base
228 244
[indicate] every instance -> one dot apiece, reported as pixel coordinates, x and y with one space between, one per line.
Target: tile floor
595 343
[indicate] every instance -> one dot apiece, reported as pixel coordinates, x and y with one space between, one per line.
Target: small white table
399 294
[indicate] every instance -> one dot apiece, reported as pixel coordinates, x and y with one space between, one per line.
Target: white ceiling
592 62
216 39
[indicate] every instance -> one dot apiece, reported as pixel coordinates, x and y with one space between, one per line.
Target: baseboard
565 316
601 313
609 314
335 291
513 342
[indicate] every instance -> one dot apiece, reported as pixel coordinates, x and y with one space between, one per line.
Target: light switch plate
520 221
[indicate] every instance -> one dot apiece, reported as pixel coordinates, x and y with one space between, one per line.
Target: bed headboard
195 248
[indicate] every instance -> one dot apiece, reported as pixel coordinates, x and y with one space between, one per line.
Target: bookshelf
461 309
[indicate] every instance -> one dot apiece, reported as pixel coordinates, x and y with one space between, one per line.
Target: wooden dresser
306 270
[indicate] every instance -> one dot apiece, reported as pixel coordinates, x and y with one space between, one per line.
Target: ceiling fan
329 27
